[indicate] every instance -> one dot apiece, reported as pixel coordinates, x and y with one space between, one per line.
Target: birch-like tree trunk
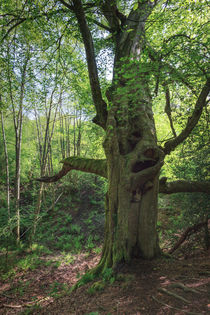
17 112
6 162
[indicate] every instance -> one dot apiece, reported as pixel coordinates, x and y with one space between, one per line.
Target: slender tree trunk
79 135
6 163
67 130
18 125
62 135
45 154
74 124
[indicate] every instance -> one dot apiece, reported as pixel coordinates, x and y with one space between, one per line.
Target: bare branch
192 121
189 231
183 186
100 105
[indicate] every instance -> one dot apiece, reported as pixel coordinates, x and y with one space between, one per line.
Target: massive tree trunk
133 157
133 164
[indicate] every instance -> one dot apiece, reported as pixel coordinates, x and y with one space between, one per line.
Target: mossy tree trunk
133 164
133 158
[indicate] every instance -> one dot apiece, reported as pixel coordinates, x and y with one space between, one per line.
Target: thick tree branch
109 10
132 38
97 167
192 121
100 105
183 186
100 24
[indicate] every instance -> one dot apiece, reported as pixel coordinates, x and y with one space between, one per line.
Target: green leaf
135 7
130 30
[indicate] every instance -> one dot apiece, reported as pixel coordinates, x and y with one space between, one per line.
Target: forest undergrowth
37 278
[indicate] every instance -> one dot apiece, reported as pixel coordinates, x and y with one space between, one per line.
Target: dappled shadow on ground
163 286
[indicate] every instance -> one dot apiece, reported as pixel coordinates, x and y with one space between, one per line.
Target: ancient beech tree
133 157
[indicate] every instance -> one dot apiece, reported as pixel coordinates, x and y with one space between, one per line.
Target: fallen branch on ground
175 308
29 304
189 231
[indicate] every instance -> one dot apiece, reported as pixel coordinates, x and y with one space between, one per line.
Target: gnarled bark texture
133 157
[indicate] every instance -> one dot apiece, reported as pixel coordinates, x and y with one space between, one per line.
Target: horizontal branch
183 186
192 121
98 167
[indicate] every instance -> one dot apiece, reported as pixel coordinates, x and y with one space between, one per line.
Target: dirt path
161 287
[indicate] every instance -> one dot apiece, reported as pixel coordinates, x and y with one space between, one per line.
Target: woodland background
46 115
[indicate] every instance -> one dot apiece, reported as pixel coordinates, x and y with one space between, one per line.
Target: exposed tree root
29 304
183 287
175 308
162 290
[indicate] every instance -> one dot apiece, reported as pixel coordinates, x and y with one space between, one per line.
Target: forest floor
163 286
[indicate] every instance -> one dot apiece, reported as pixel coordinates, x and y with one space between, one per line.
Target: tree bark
179 186
18 125
6 162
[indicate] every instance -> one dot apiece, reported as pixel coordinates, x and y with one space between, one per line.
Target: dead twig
12 306
29 304
189 231
175 308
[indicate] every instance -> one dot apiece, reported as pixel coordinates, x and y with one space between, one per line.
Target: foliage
47 37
